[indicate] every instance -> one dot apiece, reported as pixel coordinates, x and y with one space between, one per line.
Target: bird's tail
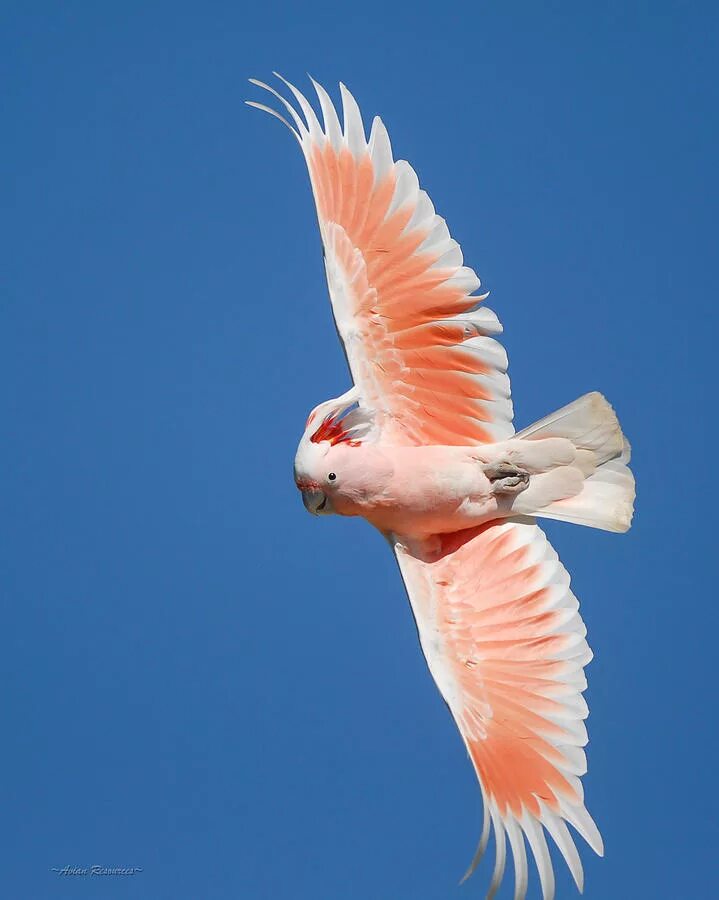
599 480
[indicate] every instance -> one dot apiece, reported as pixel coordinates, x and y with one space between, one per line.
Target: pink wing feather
418 347
506 645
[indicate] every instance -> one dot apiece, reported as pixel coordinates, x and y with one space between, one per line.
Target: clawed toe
506 478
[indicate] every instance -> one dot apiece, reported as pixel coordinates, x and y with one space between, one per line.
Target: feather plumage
498 623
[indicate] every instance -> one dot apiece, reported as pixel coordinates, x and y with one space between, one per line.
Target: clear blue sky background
200 679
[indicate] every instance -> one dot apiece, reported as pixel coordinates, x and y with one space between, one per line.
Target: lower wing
504 641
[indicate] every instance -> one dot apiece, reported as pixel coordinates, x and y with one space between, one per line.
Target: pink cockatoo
423 447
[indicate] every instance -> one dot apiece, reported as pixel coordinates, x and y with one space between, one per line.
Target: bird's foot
506 478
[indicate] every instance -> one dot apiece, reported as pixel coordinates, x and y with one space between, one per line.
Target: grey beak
314 501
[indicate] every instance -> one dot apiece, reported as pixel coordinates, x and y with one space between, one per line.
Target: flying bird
423 446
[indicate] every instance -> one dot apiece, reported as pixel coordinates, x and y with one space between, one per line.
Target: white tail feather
598 489
589 422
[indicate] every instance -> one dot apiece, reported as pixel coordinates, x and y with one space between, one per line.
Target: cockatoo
423 447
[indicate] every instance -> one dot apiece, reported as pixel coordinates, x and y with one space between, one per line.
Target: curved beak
314 501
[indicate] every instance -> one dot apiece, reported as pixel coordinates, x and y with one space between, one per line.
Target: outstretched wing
418 347
504 641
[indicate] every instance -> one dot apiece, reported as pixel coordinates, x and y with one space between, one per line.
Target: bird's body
423 447
426 490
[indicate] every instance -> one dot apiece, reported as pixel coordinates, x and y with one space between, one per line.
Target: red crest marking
332 430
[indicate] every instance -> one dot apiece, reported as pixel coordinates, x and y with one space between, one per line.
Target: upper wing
504 642
417 345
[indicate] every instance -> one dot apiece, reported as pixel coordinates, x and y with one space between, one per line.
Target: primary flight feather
423 447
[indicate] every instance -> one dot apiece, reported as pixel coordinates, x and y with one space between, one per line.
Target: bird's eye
331 476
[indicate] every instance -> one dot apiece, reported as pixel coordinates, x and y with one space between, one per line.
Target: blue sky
199 678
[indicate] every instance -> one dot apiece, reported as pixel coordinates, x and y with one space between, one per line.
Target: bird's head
323 461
